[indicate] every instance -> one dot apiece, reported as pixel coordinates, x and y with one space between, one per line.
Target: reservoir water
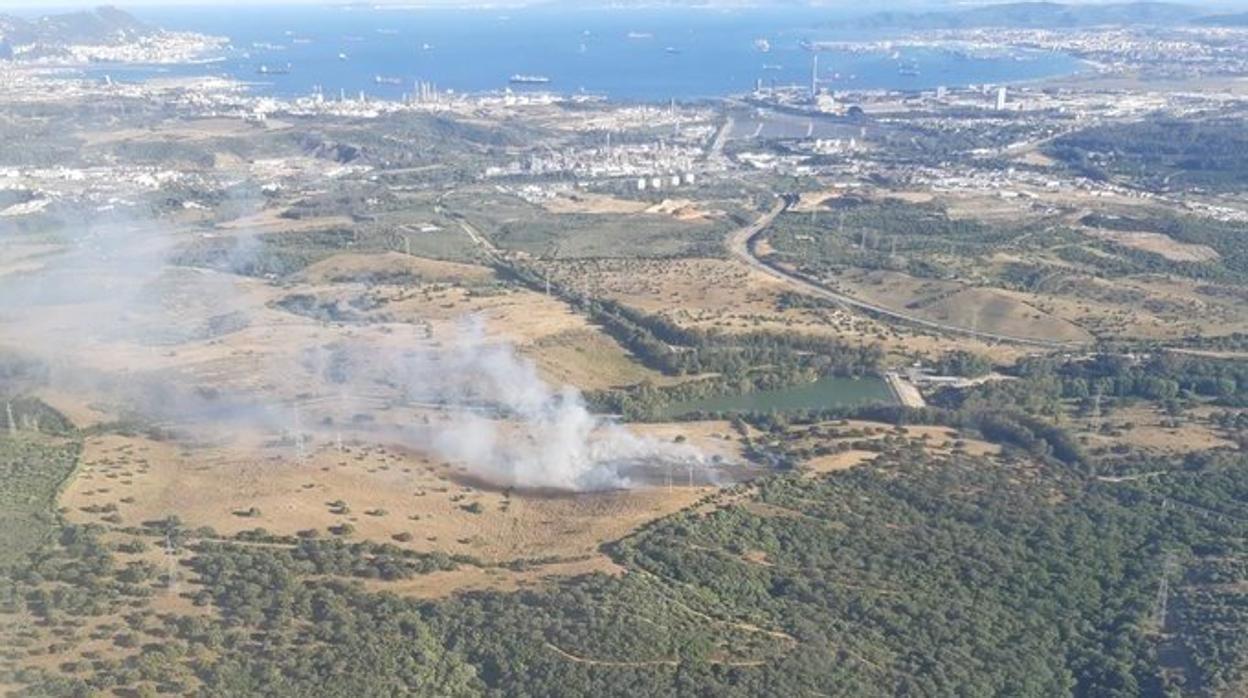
821 394
650 54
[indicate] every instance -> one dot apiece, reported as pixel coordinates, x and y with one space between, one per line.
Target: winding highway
743 244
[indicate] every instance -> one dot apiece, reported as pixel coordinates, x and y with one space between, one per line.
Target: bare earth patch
1158 244
589 202
392 264
838 461
680 209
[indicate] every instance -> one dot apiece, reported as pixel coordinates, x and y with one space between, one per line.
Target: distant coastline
336 51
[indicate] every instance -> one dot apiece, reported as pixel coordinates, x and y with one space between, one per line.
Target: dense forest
1167 378
887 234
930 571
1160 153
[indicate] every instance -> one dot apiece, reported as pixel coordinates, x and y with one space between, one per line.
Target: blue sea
623 54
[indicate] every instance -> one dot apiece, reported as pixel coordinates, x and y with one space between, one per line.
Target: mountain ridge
1034 14
101 25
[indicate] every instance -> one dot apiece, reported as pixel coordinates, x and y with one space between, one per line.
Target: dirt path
651 662
1130 478
491 252
740 625
606 662
480 241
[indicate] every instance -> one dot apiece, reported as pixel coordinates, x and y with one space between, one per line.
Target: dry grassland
1158 244
353 266
1145 427
190 130
381 491
724 295
981 309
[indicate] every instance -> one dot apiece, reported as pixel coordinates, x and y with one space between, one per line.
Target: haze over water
626 54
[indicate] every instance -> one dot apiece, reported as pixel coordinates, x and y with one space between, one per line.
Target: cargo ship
519 79
271 70
383 80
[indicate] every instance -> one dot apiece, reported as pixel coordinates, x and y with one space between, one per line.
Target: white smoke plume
113 292
545 438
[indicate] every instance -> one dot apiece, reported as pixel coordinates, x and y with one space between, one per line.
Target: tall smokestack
814 76
8 409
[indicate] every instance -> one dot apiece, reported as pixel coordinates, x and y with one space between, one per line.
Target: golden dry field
381 492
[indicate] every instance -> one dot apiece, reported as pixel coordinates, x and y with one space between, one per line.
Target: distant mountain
1035 15
1235 20
15 30
101 26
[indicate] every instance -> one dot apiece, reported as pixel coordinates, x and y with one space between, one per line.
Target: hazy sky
54 5
48 6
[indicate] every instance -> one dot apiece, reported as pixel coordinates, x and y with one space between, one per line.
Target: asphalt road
742 244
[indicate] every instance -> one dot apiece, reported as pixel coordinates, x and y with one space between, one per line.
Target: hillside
1033 15
103 25
1231 20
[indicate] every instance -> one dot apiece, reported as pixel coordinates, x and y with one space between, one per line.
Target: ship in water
672 50
519 79
762 45
908 69
274 70
383 80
